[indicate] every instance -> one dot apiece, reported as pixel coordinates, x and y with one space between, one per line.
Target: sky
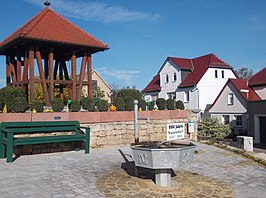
141 34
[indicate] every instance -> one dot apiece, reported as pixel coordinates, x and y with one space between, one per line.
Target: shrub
57 105
180 105
37 105
161 103
170 104
120 104
88 104
8 94
102 105
134 93
19 105
212 128
150 105
74 106
129 103
142 104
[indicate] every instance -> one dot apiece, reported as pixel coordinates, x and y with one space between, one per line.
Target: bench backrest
46 126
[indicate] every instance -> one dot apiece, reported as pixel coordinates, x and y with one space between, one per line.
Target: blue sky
142 33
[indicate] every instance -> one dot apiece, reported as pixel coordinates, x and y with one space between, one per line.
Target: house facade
231 105
195 81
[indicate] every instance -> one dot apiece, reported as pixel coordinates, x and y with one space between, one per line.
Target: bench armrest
6 130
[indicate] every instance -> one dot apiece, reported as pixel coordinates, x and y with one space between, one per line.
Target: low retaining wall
112 128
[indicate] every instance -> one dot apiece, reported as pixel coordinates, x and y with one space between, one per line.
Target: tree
244 73
98 93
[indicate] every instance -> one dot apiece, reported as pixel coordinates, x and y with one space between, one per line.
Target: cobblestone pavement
217 172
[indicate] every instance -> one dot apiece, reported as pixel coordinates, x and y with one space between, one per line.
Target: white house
196 82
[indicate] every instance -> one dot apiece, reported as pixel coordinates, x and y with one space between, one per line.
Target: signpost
175 131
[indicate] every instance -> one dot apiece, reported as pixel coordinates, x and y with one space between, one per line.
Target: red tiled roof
201 65
258 79
241 86
183 63
52 27
154 85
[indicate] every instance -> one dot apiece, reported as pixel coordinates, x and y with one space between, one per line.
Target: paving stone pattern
74 174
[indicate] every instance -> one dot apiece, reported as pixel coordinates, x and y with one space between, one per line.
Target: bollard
136 130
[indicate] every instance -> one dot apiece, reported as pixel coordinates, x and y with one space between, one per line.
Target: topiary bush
102 105
180 105
57 105
19 105
129 103
170 104
134 93
150 105
142 104
37 105
88 104
74 106
161 103
212 128
120 104
8 94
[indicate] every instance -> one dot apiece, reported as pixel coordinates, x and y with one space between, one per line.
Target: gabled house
230 106
195 81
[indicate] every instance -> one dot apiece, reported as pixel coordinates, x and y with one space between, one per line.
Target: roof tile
258 79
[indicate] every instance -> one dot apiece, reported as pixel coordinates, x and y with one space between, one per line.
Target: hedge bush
8 94
142 104
161 103
74 106
129 103
134 93
212 128
120 104
37 105
102 105
19 105
88 104
150 105
57 105
170 104
180 105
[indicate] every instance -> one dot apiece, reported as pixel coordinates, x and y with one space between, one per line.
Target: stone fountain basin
167 155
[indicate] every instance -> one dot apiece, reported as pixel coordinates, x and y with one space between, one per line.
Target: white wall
209 86
170 87
193 97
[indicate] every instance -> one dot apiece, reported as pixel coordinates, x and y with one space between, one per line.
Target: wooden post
31 80
89 76
12 62
81 76
61 88
7 72
19 70
25 71
51 73
74 76
42 77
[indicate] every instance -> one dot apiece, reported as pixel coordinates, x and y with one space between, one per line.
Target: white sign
175 131
190 126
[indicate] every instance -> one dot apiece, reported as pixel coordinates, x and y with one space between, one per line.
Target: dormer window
175 77
167 78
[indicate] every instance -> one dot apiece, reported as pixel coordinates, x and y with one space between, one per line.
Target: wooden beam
81 76
46 67
25 70
74 76
56 68
42 77
89 76
12 62
19 69
8 73
31 79
51 73
61 87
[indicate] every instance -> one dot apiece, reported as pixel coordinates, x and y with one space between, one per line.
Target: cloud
125 76
97 11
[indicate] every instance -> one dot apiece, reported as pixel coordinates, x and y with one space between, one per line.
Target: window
166 78
230 99
226 119
216 73
238 120
171 95
186 96
222 73
175 77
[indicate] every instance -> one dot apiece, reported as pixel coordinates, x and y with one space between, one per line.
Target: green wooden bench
9 129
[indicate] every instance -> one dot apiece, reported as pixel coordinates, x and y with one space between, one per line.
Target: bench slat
49 139
43 129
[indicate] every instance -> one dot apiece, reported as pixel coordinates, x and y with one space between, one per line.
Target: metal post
136 130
